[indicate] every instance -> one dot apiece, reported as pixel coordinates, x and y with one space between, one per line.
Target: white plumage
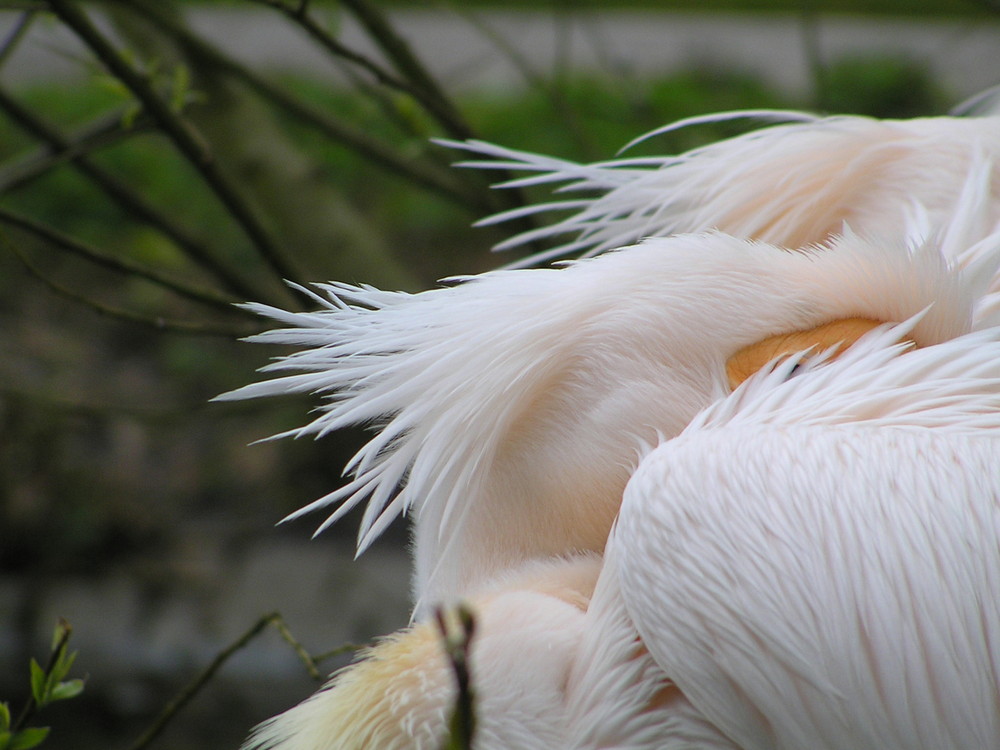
791 184
778 539
842 597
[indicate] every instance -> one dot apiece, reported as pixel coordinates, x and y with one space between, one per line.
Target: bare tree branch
73 150
554 95
17 33
194 687
120 265
273 619
59 150
444 183
183 134
432 95
347 648
434 98
300 15
159 324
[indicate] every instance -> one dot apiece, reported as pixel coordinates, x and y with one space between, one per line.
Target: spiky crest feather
473 384
790 184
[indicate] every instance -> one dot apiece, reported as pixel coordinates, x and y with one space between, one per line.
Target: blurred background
161 160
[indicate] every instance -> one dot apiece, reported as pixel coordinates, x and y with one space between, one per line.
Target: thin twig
64 406
121 265
395 47
159 324
31 707
300 15
73 150
441 182
183 134
430 99
554 95
443 110
811 47
304 657
106 133
192 688
17 34
346 648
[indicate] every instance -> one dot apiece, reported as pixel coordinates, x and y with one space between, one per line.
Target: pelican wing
617 696
815 561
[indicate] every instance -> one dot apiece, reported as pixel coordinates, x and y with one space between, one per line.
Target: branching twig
74 150
189 691
298 648
64 630
346 648
192 688
158 323
17 34
441 182
108 132
120 265
554 95
432 96
429 100
183 134
300 15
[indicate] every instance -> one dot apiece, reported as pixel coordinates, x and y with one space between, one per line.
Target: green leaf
28 738
4 718
5 739
68 689
60 635
61 667
38 690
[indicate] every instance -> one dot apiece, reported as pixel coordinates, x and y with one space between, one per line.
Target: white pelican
844 595
791 184
515 407
811 563
517 400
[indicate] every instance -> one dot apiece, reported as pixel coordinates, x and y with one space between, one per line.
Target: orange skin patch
839 333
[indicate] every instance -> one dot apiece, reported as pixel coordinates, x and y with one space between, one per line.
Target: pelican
794 183
518 409
810 563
